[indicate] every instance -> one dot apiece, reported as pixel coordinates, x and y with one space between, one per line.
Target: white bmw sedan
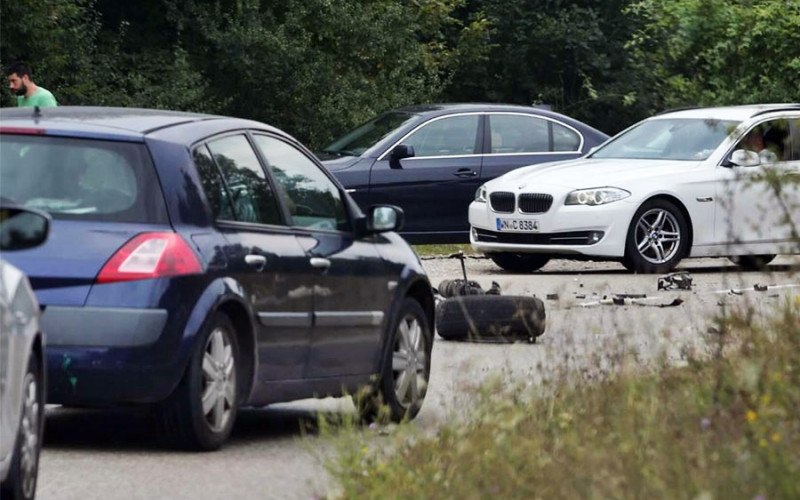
690 183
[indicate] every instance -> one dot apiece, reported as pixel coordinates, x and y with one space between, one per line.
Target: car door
435 186
756 202
514 140
261 252
352 288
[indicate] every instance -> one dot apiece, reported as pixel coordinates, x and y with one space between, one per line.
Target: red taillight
150 255
22 130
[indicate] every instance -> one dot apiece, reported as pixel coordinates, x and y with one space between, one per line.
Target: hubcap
219 380
409 362
658 236
30 435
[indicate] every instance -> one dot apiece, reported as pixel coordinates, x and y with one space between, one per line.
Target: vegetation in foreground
726 426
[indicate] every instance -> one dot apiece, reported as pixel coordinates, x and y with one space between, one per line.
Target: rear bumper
103 356
89 326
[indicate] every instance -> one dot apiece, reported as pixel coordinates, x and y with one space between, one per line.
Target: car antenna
37 113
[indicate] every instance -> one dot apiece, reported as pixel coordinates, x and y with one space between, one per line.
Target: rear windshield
81 179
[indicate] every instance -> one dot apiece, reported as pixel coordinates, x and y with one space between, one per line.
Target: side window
771 140
250 193
314 201
213 184
519 134
445 137
565 139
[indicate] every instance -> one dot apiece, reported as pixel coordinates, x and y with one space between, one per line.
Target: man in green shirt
28 93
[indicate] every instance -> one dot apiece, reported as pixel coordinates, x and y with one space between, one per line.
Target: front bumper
563 230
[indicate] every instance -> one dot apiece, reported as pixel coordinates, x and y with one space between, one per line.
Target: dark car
430 160
201 263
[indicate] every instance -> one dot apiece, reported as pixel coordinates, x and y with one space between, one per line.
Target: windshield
364 137
669 139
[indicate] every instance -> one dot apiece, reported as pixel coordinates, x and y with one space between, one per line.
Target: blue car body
302 333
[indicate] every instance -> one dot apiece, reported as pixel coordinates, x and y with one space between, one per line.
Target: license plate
529 225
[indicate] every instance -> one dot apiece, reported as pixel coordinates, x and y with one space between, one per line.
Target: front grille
534 203
565 238
502 201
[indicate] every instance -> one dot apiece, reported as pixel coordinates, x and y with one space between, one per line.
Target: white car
22 369
691 183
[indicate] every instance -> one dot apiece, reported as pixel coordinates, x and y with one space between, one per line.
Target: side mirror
22 228
744 158
400 152
382 218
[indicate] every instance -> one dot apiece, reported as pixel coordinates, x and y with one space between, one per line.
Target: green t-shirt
42 97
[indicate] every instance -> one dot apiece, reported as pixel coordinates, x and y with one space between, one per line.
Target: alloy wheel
409 361
30 425
218 391
658 236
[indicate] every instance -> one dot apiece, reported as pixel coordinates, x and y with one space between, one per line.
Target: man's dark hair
20 68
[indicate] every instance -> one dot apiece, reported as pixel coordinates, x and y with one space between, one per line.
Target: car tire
20 484
752 262
519 262
405 371
491 318
200 413
658 238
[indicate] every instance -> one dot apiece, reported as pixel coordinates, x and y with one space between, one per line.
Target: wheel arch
245 337
227 296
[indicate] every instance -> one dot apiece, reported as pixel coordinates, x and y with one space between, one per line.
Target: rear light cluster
150 255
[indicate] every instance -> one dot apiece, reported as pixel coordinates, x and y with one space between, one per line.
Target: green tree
717 52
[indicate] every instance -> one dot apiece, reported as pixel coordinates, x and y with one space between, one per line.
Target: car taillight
150 255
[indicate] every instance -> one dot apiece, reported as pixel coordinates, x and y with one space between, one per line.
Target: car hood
589 173
334 164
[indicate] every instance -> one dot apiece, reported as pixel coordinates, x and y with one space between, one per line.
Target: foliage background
319 67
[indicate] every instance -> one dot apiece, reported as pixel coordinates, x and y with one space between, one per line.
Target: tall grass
723 426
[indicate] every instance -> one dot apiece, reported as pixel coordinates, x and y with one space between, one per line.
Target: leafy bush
724 426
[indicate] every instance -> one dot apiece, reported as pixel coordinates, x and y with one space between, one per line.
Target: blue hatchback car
430 160
200 263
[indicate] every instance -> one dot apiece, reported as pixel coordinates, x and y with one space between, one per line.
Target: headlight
596 196
480 194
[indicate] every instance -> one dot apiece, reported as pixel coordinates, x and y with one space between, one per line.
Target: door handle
465 172
255 260
320 263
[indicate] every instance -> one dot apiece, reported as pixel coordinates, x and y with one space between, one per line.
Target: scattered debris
734 291
464 287
552 296
626 301
760 288
580 296
680 280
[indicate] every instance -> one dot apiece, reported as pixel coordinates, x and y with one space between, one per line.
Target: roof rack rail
779 107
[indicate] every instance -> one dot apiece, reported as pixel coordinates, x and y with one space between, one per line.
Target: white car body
726 212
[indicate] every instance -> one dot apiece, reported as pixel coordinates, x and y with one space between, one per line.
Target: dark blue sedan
430 160
200 263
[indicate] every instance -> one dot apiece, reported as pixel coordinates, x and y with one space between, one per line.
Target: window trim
282 212
550 139
484 129
761 118
478 132
313 159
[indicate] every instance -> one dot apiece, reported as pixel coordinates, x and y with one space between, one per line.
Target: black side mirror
398 153
22 228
